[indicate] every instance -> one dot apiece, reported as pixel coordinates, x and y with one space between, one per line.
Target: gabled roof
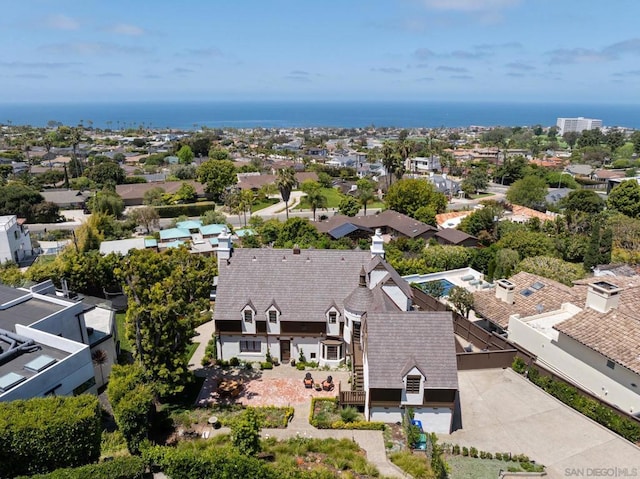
303 285
454 236
392 275
387 219
425 339
174 233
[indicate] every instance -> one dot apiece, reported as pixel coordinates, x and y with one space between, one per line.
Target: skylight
526 292
40 363
10 380
537 286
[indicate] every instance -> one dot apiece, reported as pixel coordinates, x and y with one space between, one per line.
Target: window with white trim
333 317
248 346
413 384
273 316
248 315
332 352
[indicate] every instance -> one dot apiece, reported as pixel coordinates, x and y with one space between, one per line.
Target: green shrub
43 434
465 451
498 456
233 362
126 467
415 466
349 414
519 365
266 365
456 449
210 352
473 452
489 455
300 366
245 433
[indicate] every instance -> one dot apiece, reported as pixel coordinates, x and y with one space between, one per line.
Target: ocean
301 114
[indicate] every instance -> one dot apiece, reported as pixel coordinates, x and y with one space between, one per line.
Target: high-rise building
579 124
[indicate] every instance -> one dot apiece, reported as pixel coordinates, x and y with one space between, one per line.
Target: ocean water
194 115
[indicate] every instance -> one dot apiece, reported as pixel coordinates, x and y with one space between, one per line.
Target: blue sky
513 50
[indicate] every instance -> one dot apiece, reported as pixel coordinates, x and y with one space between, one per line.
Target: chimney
603 296
225 248
377 244
296 249
505 291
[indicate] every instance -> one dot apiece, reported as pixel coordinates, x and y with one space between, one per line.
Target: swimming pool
446 285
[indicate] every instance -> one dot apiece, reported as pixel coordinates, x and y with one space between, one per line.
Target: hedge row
191 209
129 467
571 396
43 434
132 401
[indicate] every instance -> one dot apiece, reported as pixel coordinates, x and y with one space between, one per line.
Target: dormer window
333 317
273 316
248 316
413 384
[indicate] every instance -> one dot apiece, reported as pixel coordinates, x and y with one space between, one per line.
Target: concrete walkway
204 333
279 207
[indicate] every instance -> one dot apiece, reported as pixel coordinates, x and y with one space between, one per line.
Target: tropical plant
286 182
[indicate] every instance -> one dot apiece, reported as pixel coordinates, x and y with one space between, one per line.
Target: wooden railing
352 398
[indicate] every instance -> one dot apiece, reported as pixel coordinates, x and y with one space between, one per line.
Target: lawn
125 345
474 468
264 204
269 416
191 349
333 196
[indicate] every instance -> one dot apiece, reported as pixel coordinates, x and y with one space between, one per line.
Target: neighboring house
423 164
123 246
198 237
556 194
579 169
330 305
391 224
257 181
588 333
454 237
451 219
613 182
15 242
444 185
67 199
50 345
133 194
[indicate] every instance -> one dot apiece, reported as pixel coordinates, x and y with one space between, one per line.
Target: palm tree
286 182
76 136
390 160
364 193
316 199
99 358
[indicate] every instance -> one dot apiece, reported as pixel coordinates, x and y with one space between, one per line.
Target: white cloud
470 5
126 29
61 22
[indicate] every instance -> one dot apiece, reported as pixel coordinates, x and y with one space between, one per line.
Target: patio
281 386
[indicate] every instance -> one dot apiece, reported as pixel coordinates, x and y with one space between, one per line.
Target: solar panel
40 363
10 380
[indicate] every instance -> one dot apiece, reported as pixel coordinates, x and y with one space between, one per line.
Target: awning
332 342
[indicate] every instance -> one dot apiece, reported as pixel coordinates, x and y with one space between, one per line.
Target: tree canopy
530 191
408 195
625 198
216 175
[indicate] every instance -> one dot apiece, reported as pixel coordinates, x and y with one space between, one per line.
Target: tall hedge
190 209
132 401
43 434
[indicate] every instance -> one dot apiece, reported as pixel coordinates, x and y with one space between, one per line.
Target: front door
285 350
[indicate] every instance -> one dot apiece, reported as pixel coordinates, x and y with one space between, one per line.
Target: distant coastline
309 114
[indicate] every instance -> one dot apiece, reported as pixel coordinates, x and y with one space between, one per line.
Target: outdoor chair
308 381
327 384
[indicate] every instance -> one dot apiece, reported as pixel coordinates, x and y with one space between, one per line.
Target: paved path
503 412
204 334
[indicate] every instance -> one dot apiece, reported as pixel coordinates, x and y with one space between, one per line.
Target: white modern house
15 242
51 345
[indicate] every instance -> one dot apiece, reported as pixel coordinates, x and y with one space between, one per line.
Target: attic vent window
413 384
273 316
526 292
333 317
248 315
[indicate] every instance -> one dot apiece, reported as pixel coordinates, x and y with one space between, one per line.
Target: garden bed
326 413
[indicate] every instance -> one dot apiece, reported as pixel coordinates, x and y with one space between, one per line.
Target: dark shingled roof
454 236
361 298
393 339
387 219
303 285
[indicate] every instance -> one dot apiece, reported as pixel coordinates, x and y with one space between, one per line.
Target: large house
330 305
51 345
588 333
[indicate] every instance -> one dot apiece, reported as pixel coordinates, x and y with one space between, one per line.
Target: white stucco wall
231 347
397 296
417 398
580 364
436 420
386 414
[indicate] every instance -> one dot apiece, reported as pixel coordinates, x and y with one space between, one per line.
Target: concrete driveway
503 412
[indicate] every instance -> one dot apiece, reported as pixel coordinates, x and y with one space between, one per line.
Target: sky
410 50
